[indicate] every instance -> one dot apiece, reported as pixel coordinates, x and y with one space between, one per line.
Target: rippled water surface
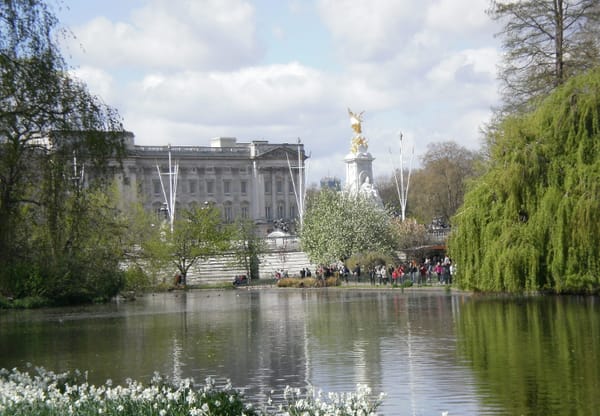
429 351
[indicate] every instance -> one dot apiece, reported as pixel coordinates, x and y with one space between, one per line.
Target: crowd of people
429 271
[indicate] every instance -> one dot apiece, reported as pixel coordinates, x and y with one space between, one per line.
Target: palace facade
257 180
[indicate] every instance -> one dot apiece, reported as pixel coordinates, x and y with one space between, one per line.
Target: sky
182 72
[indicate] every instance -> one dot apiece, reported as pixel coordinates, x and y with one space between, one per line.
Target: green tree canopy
197 234
532 222
337 225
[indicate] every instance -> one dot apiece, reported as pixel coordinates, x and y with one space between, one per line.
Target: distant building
331 182
248 180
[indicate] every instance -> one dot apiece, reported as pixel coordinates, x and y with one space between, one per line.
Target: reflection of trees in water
424 349
535 355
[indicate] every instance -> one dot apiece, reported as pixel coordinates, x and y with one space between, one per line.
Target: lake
429 350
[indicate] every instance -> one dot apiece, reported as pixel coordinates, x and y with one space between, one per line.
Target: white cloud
215 34
469 126
370 30
457 16
98 81
182 72
252 95
467 66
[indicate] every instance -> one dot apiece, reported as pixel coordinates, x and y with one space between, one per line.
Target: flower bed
49 394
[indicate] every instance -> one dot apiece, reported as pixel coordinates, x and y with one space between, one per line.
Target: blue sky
185 71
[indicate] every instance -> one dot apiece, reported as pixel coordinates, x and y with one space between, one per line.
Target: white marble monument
359 164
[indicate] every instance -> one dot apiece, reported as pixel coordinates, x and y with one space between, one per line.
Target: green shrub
31 302
333 281
5 303
309 282
295 282
136 279
369 260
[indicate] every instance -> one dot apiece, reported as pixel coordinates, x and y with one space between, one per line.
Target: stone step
223 268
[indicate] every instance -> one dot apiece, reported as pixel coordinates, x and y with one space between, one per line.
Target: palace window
193 184
228 212
245 212
156 187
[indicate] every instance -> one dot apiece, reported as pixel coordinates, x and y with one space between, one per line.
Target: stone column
258 188
273 194
287 186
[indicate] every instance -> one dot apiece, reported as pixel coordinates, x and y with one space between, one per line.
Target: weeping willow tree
57 230
532 222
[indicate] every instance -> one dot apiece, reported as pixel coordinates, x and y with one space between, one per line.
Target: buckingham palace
256 180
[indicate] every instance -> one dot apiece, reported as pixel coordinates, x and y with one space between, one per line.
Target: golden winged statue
358 141
355 121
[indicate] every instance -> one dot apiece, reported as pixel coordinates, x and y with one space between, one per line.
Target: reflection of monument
359 163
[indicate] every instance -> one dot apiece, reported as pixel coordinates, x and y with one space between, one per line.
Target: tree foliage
532 222
197 234
409 233
386 186
438 187
46 117
337 225
545 43
247 246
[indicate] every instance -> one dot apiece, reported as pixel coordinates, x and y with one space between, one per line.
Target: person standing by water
345 273
438 269
356 272
446 270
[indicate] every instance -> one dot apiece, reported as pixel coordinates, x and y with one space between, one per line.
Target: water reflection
537 356
429 351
